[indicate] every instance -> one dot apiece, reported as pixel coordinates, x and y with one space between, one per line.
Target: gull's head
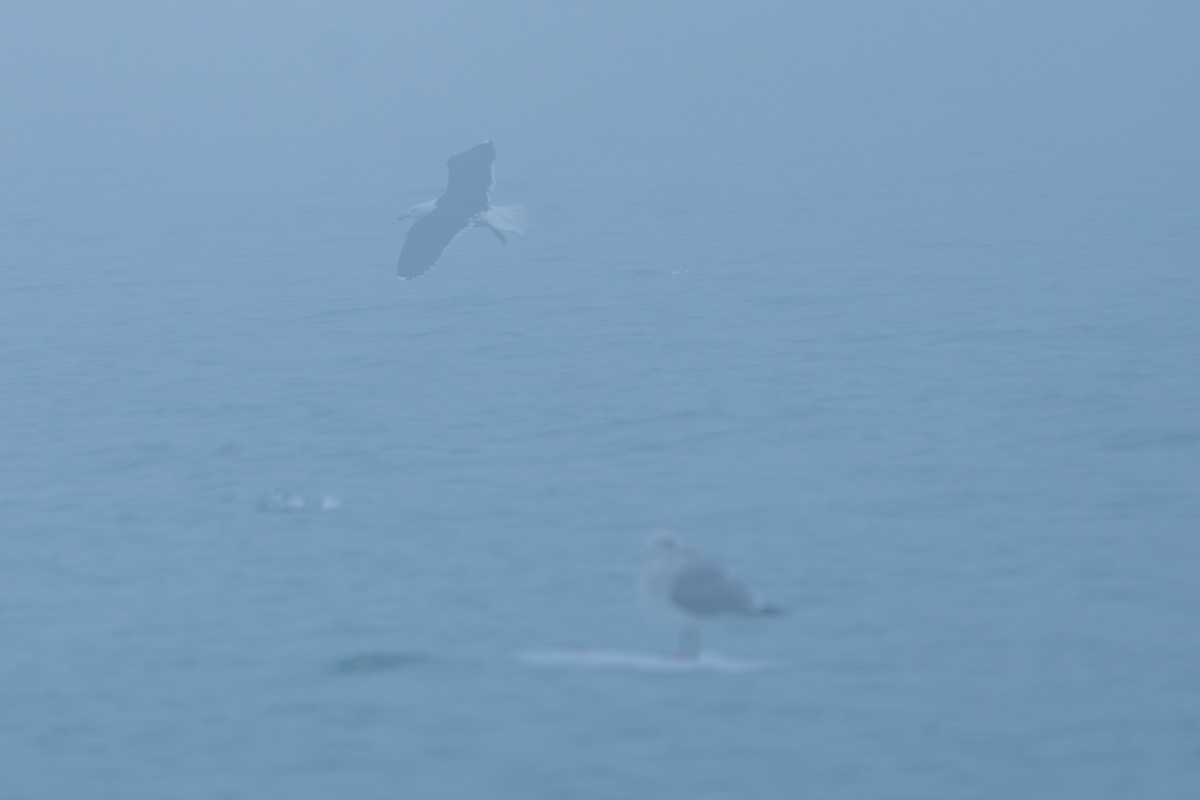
665 545
419 210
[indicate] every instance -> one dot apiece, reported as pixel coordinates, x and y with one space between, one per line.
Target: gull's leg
689 643
496 231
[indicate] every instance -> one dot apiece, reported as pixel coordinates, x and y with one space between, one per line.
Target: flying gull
692 590
466 201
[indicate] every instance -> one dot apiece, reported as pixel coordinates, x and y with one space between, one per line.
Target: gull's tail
761 608
506 219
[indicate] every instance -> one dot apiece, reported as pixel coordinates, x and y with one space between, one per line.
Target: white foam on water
643 662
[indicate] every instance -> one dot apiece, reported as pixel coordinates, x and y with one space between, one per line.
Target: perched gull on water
466 201
692 590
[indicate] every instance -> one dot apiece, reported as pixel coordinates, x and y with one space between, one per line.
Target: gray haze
889 305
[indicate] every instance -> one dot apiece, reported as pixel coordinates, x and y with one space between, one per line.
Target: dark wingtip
770 611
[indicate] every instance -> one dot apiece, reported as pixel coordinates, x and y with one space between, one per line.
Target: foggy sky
650 90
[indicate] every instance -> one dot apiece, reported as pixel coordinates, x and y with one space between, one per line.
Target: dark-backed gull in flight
466 201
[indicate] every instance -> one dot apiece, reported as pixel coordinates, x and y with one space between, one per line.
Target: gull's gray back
707 590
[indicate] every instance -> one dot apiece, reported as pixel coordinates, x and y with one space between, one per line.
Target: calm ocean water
949 421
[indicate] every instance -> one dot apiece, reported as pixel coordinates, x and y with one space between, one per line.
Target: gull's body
691 590
466 201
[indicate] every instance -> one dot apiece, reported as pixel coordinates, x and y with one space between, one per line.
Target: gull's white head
664 545
419 210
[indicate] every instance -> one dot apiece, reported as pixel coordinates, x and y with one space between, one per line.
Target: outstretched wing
426 241
470 177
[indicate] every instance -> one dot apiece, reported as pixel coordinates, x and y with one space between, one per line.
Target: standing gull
466 201
692 590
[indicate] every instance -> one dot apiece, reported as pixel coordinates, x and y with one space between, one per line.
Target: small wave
283 501
370 663
641 662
